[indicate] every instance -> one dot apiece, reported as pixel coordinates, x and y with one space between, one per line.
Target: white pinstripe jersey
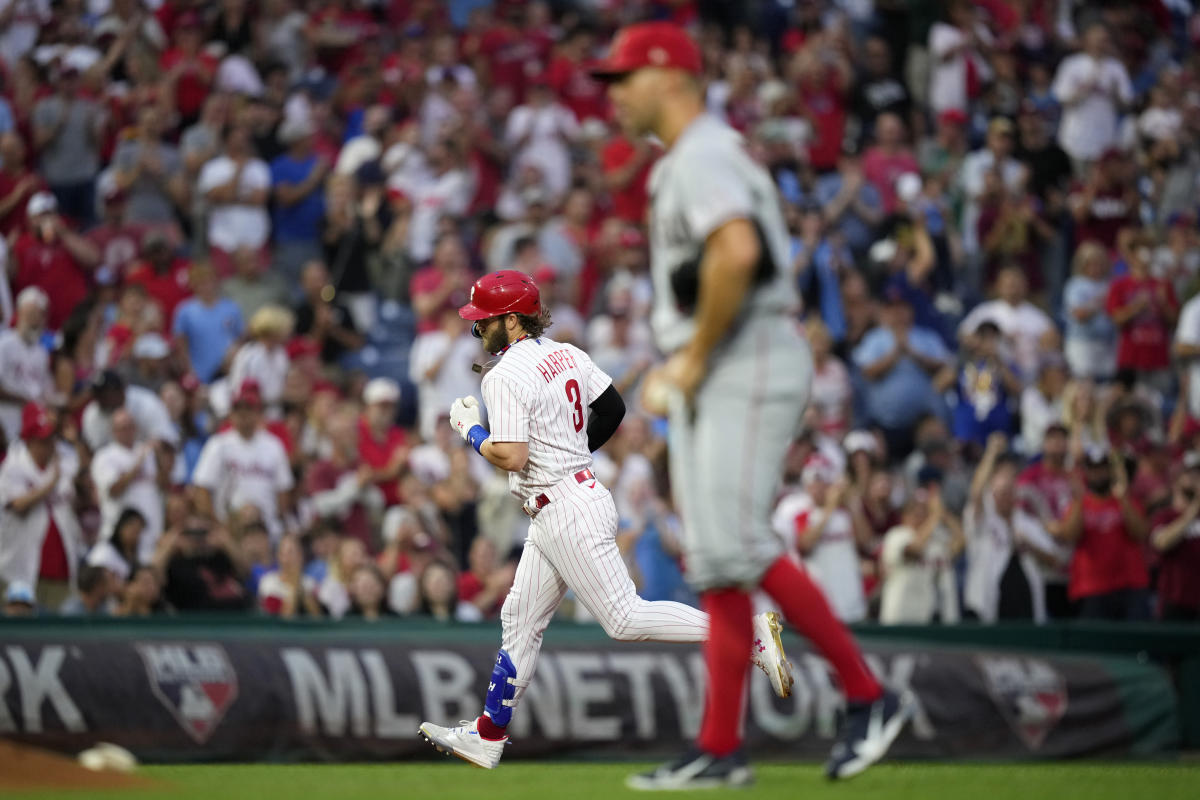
539 393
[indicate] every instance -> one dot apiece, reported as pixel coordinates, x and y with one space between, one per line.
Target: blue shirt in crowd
899 397
300 222
210 331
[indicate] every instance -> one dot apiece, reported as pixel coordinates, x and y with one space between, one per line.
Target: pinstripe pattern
572 541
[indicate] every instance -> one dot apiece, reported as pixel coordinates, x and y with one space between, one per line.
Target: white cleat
767 652
464 742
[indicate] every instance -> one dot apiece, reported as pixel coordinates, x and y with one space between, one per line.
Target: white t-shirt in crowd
109 464
454 379
104 554
831 392
25 370
266 365
1023 325
433 196
234 225
240 471
1188 332
149 414
914 590
1088 89
833 563
544 134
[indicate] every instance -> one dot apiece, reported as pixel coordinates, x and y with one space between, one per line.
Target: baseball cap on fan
648 44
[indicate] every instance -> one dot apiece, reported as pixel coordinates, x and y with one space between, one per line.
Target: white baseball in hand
464 414
656 395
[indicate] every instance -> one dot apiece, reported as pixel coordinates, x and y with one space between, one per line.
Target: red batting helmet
505 292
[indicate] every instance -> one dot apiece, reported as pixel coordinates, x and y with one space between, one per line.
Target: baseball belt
535 504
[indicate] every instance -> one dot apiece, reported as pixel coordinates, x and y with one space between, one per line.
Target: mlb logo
1029 693
195 682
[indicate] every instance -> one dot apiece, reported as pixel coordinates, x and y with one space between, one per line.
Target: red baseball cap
36 422
649 44
248 394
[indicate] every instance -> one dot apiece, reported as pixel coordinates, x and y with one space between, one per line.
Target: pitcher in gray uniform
735 386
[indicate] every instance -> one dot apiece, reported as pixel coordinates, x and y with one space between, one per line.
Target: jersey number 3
574 397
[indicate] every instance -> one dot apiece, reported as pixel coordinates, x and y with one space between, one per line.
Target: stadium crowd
235 235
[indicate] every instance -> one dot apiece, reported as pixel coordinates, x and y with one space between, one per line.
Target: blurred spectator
42 541
120 551
129 474
441 367
297 177
1042 402
957 48
163 274
67 129
850 204
94 595
992 165
342 487
1187 352
814 523
254 288
442 285
202 569
334 591
1176 537
111 394
439 596
987 388
244 465
1108 567
287 592
916 561
1091 341
905 368
486 583
19 600
1104 202
1045 491
147 171
208 326
142 596
24 361
1144 310
626 166
49 255
1093 88
237 186
878 90
888 159
832 393
18 183
382 444
264 358
323 317
1003 545
368 594
1027 329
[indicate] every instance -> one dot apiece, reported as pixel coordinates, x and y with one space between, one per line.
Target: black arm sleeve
607 412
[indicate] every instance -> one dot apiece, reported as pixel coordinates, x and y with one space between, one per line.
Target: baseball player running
549 408
734 388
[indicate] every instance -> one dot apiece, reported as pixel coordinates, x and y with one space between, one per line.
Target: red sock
726 654
805 608
490 730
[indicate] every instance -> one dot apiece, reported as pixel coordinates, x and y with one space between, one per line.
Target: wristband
477 436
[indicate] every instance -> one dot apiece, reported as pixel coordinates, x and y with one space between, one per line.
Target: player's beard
495 339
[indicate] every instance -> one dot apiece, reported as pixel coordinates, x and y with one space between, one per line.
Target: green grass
571 781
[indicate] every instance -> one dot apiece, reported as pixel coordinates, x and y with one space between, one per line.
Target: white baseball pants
572 544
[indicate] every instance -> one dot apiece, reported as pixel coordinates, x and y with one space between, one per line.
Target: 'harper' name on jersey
539 393
556 363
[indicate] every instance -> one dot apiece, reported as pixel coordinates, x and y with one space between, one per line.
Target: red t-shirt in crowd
119 246
629 203
882 170
323 476
52 268
468 586
1144 341
1179 567
168 289
428 280
379 455
1106 558
1052 486
54 566
576 88
826 104
191 90
1110 211
15 219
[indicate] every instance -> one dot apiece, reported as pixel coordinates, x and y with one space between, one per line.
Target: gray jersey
705 180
